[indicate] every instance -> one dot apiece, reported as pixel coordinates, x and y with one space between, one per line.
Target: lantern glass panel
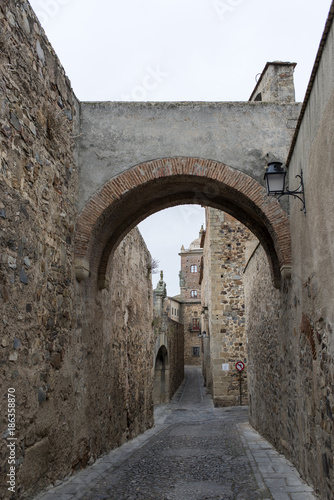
275 183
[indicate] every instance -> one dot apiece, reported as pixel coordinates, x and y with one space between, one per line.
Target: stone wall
169 336
290 374
118 337
175 333
97 392
310 296
223 302
229 132
82 372
265 367
291 341
191 312
190 295
38 199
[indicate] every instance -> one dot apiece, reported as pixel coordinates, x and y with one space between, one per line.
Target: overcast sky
179 50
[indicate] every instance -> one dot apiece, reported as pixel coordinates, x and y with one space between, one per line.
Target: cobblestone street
195 451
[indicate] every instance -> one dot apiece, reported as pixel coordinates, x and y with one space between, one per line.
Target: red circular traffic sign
240 366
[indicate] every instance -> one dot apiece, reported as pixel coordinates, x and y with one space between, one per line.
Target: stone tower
190 295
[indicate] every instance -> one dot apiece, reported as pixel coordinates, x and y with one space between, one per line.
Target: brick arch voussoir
275 218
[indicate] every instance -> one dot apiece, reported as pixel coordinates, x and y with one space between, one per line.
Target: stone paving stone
293 480
90 475
302 496
60 496
303 488
194 452
72 488
275 483
280 495
260 455
267 471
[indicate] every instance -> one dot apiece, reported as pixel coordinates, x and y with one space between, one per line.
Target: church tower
190 295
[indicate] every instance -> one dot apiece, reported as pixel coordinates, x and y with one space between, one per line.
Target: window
193 293
195 324
196 351
193 268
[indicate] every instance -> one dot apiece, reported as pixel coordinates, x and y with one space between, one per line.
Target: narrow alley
194 451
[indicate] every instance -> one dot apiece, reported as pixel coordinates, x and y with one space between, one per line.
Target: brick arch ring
128 198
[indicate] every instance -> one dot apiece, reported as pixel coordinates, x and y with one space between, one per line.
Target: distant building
223 306
211 305
169 344
190 300
174 308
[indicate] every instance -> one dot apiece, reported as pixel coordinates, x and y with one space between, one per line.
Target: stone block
36 462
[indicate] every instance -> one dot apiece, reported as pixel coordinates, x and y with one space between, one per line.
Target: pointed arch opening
161 377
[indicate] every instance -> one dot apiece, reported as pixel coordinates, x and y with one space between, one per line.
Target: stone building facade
190 297
174 308
223 303
212 305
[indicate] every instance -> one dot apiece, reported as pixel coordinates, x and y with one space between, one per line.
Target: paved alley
195 451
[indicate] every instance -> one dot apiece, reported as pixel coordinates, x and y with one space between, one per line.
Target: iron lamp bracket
297 193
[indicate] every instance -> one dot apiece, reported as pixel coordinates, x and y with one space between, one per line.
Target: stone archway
133 195
161 377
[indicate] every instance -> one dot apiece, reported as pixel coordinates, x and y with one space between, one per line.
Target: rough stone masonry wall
60 363
173 338
290 374
263 315
291 339
191 339
117 342
311 292
225 244
38 197
175 333
170 334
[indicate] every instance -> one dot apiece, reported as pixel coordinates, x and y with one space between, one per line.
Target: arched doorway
149 187
133 195
161 377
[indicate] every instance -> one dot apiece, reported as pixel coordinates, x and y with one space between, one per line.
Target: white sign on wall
225 367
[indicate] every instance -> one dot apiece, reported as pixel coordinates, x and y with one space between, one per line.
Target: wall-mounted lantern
275 183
